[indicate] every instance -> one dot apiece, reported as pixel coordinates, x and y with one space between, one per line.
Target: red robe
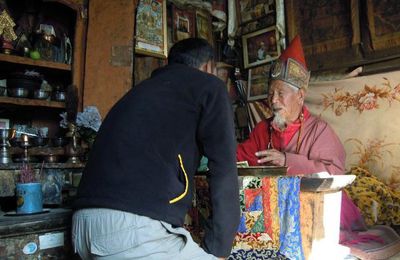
320 148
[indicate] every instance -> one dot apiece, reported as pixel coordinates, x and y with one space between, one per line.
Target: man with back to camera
137 184
302 142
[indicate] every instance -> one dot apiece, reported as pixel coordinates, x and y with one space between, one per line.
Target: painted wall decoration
151 28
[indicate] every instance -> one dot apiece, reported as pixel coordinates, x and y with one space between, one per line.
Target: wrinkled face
285 101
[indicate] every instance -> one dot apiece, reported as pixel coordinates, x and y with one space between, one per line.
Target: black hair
192 52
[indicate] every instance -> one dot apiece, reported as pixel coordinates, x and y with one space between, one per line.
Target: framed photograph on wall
261 47
183 23
204 26
151 28
250 10
383 25
257 86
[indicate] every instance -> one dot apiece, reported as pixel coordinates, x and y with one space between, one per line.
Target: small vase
29 198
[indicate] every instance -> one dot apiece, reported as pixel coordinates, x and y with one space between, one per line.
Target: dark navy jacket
148 148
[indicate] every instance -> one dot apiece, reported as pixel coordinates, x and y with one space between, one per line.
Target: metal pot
59 96
18 92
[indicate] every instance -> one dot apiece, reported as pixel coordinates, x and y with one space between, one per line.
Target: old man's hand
271 157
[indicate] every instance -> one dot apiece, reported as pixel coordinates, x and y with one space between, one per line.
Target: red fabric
320 148
294 51
249 196
351 223
267 207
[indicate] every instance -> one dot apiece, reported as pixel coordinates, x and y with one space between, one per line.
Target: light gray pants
111 234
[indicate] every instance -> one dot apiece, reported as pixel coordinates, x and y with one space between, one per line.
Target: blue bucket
29 198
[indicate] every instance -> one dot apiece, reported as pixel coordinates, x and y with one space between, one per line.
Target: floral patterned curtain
365 113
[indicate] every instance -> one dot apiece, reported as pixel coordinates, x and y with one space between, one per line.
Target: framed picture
151 28
250 10
383 25
259 24
4 123
257 86
183 23
204 27
261 47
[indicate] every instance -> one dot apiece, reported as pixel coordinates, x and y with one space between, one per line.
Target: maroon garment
320 148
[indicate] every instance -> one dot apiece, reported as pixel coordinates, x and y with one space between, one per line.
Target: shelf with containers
44 27
55 32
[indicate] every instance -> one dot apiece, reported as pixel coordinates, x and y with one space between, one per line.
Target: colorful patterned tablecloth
270 226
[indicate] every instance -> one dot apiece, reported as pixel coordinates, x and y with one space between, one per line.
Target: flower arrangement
27 174
88 123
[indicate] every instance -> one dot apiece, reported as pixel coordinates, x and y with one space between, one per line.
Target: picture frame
261 47
4 123
251 10
257 86
204 27
264 22
183 23
151 28
382 36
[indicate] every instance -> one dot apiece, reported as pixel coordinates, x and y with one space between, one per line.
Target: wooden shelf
17 166
40 63
31 102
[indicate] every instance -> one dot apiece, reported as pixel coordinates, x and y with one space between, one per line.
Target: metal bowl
59 96
41 94
18 92
51 158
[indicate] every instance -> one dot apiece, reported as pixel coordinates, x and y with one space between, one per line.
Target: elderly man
292 137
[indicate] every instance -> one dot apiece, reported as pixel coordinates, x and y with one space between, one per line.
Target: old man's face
286 102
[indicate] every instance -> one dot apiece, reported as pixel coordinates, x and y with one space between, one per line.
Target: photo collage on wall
262 35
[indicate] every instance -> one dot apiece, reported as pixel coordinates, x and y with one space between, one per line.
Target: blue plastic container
29 198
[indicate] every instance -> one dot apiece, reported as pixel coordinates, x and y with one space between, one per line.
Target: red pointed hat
291 66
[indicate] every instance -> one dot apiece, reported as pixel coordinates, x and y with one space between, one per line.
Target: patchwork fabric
253 199
270 217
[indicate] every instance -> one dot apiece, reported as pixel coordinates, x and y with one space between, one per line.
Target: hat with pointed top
291 66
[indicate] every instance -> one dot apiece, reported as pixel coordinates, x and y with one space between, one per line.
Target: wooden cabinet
71 16
40 236
37 112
